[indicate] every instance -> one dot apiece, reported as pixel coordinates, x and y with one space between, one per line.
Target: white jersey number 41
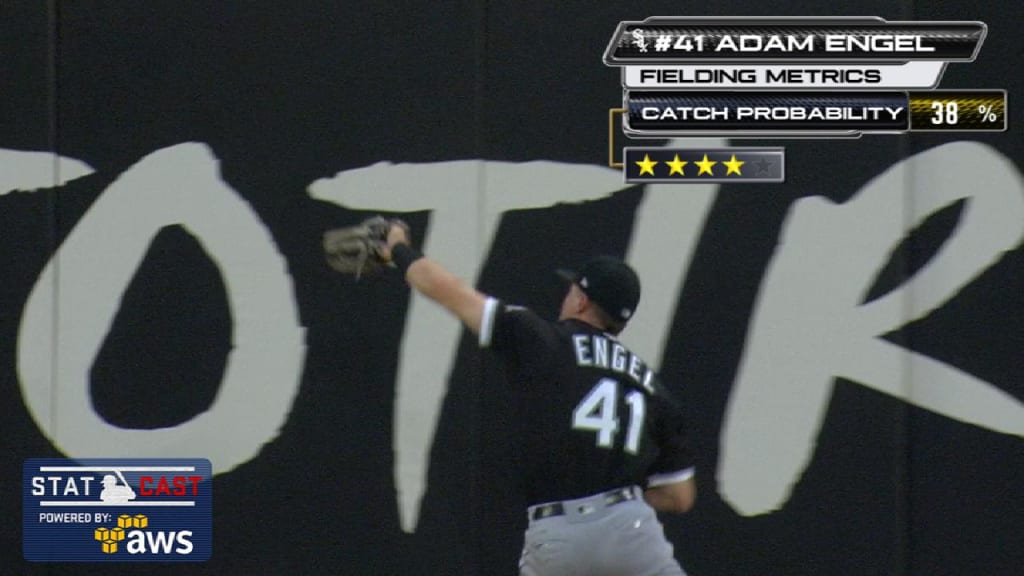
598 411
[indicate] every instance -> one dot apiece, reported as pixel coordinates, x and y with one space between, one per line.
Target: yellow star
646 165
676 165
734 166
705 165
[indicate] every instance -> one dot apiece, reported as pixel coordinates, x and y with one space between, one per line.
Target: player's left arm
435 282
674 497
671 481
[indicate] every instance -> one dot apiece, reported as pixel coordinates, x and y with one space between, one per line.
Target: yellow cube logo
109 537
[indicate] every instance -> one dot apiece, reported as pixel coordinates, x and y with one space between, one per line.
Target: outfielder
602 442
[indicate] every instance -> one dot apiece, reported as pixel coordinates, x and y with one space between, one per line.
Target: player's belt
583 505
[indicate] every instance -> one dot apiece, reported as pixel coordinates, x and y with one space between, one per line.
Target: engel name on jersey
590 414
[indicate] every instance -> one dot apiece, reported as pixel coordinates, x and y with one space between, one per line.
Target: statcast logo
131 533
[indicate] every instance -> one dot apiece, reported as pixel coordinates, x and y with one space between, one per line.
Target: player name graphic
805 42
660 39
710 76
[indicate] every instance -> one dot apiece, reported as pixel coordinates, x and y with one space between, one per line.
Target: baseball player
602 443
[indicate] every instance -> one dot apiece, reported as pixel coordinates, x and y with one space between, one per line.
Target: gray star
763 165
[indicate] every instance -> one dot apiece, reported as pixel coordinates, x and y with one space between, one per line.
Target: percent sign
987 115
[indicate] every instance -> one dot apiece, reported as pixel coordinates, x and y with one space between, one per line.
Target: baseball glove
358 249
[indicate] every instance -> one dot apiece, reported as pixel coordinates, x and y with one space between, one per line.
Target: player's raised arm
433 280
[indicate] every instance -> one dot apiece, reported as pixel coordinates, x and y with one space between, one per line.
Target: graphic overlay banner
831 77
677 165
677 113
958 110
661 39
804 76
660 113
117 510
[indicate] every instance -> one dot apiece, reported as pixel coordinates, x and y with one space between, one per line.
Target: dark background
286 92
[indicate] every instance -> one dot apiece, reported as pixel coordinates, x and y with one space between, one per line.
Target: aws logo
132 536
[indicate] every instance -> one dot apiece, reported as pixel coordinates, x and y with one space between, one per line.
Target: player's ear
582 300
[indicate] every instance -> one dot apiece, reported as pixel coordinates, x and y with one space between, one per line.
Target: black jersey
591 415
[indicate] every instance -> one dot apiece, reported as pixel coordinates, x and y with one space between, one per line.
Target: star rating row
734 164
676 166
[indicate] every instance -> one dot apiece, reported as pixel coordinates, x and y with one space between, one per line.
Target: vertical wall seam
53 40
480 132
904 479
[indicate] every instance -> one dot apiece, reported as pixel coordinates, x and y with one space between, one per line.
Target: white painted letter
810 325
83 283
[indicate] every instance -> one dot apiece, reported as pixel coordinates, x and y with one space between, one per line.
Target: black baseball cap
609 282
